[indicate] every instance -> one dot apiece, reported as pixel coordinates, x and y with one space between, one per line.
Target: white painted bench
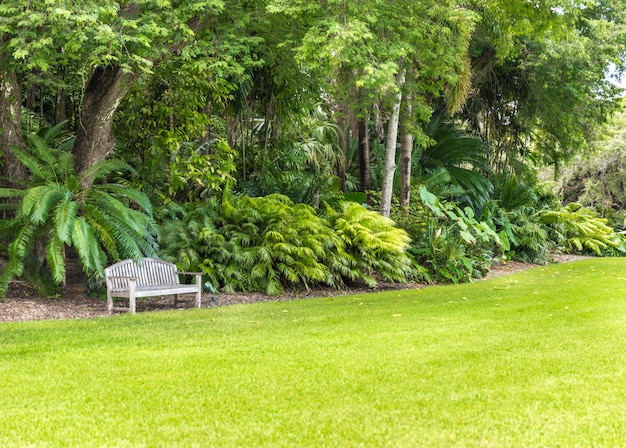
149 278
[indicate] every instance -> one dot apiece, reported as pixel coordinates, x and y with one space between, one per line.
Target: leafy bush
448 241
373 244
515 213
57 211
265 244
523 236
580 229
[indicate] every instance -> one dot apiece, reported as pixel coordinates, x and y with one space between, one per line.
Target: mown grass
533 359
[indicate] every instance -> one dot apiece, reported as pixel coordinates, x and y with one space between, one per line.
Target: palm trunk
343 145
406 154
390 150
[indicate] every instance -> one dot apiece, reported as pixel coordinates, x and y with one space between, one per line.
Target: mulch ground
22 303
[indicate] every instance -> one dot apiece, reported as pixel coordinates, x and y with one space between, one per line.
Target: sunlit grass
533 359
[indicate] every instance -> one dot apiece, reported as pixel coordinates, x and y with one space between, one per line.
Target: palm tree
55 211
456 155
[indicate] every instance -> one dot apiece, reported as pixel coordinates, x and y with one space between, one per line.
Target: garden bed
22 302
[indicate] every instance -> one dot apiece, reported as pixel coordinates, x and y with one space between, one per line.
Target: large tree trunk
365 175
390 150
106 87
11 169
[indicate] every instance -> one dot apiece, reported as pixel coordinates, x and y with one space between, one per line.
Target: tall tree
540 84
374 43
111 43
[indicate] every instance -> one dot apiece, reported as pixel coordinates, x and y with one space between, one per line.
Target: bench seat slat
160 290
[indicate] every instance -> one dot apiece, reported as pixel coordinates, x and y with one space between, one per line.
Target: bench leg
109 302
132 300
199 292
175 300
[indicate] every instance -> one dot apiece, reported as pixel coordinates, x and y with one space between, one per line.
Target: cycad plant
460 155
55 211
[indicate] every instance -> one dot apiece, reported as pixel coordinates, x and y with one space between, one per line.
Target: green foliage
373 244
514 213
193 173
299 164
456 155
268 243
125 34
597 181
450 242
56 211
580 229
541 88
523 236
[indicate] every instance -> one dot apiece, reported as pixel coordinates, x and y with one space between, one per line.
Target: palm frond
42 172
65 217
105 168
86 244
55 258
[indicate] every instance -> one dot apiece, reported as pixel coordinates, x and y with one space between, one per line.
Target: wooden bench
148 278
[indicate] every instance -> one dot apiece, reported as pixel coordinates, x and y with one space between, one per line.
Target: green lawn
533 359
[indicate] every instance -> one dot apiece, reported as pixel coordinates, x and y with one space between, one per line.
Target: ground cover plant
532 359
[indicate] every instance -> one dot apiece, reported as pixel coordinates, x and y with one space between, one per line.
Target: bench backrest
149 272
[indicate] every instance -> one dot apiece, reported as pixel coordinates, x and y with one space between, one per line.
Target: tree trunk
390 150
406 154
343 145
11 169
365 175
106 87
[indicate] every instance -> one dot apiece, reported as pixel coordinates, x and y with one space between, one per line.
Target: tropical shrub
448 241
266 244
579 229
373 244
524 238
194 172
251 244
457 246
55 211
515 211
